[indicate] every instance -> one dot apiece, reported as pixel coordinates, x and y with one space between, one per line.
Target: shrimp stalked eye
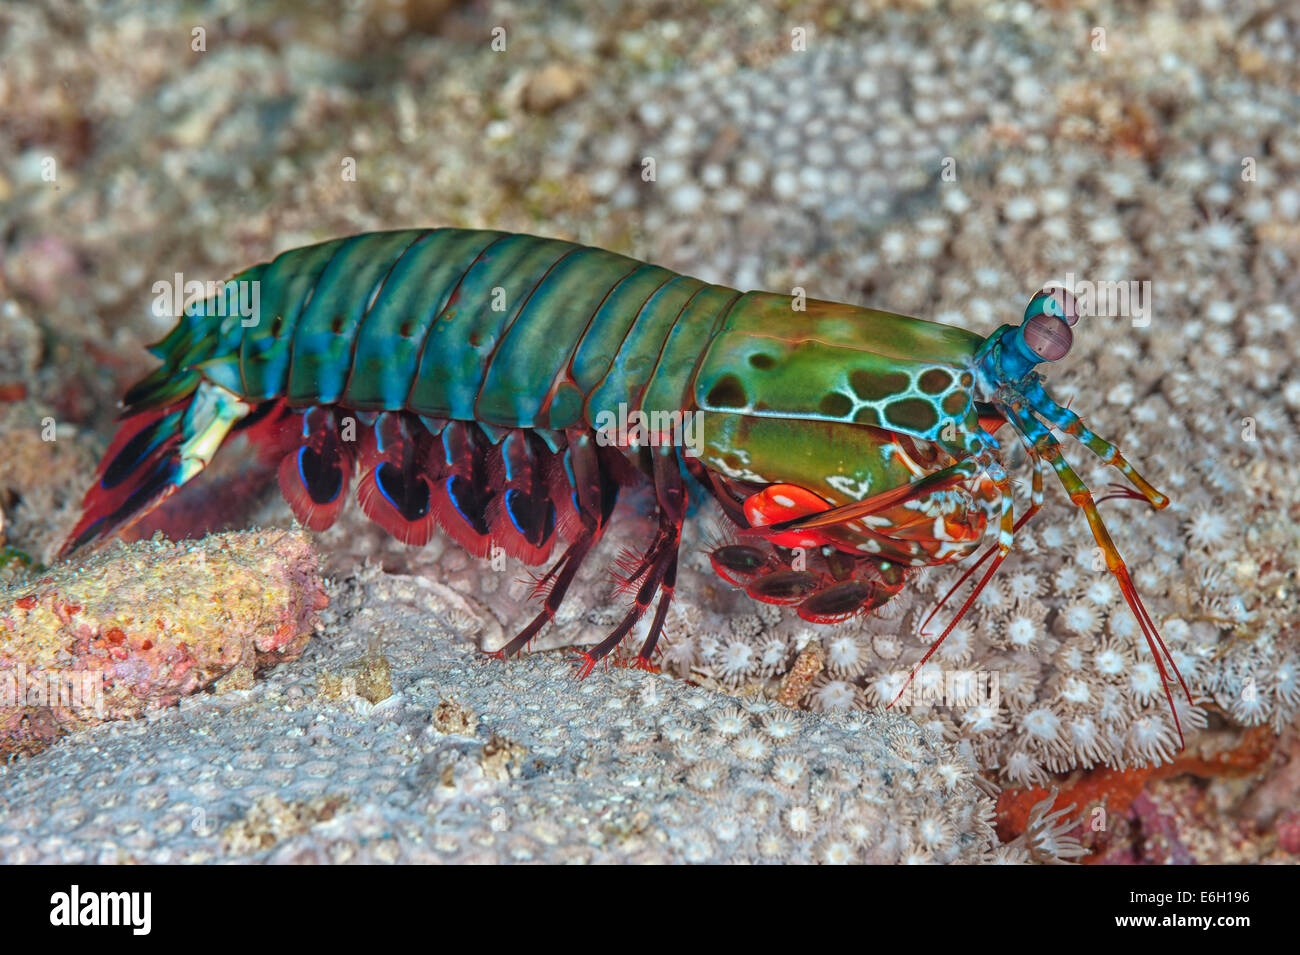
1047 337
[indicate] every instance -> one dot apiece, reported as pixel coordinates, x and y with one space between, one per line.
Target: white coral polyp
771 654
730 722
1043 727
680 651
1247 704
1102 592
1023 632
957 647
788 770
1024 769
1109 662
736 661
934 832
837 852
1286 682
982 720
1046 835
751 746
846 655
1151 739
882 690
1023 585
1081 617
834 695
1066 581
1076 690
1209 528
1144 680
781 726
1086 740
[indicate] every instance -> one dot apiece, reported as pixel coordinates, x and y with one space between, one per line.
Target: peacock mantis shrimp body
480 382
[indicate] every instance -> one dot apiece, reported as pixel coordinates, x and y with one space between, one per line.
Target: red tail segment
157 450
137 472
479 485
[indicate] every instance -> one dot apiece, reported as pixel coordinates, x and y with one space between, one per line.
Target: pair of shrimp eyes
1050 315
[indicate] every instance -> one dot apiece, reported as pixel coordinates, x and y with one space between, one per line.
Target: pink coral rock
136 627
1288 832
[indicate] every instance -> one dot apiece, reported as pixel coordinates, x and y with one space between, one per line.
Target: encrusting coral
135 627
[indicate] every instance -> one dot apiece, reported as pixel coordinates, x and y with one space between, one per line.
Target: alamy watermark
1105 299
639 429
951 688
216 299
132 910
64 689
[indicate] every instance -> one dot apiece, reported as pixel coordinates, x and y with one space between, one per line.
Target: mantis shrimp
468 380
